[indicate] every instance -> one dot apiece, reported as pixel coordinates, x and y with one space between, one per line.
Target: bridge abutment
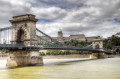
24 58
97 55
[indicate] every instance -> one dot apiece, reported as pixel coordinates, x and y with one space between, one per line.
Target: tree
112 41
77 43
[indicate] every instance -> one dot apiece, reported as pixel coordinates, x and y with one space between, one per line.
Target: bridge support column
97 55
24 58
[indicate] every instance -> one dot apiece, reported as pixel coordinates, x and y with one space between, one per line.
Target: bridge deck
39 47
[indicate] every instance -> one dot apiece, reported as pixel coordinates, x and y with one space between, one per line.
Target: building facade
79 37
117 34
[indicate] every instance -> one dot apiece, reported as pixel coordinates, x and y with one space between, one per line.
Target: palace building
80 37
117 34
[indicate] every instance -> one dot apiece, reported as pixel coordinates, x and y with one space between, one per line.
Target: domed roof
60 31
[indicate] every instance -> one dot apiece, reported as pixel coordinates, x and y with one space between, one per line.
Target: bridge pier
98 45
24 58
97 55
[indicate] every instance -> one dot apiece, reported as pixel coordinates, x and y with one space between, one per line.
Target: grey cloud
64 4
72 16
8 9
51 13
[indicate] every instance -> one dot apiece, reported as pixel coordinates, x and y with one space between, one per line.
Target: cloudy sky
90 17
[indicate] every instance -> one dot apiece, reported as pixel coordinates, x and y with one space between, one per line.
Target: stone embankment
3 56
66 56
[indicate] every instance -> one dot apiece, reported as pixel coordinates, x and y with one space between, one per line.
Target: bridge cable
52 39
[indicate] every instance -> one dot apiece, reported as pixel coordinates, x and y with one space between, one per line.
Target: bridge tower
24 36
98 45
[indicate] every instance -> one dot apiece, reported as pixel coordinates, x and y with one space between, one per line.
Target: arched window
118 51
20 36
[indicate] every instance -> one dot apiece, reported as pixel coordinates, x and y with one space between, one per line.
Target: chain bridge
23 41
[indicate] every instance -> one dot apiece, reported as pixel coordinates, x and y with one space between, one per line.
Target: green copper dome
60 31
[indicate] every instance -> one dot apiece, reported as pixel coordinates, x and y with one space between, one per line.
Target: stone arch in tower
97 44
20 36
118 51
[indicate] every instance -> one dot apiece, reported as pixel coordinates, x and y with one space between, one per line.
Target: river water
65 69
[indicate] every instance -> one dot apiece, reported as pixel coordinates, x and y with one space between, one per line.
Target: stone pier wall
97 55
24 58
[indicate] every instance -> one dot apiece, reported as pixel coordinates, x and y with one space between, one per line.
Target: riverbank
66 56
75 56
3 58
59 56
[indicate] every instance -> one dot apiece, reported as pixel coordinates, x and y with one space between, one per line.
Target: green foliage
2 51
67 52
112 41
42 53
58 52
77 43
69 43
